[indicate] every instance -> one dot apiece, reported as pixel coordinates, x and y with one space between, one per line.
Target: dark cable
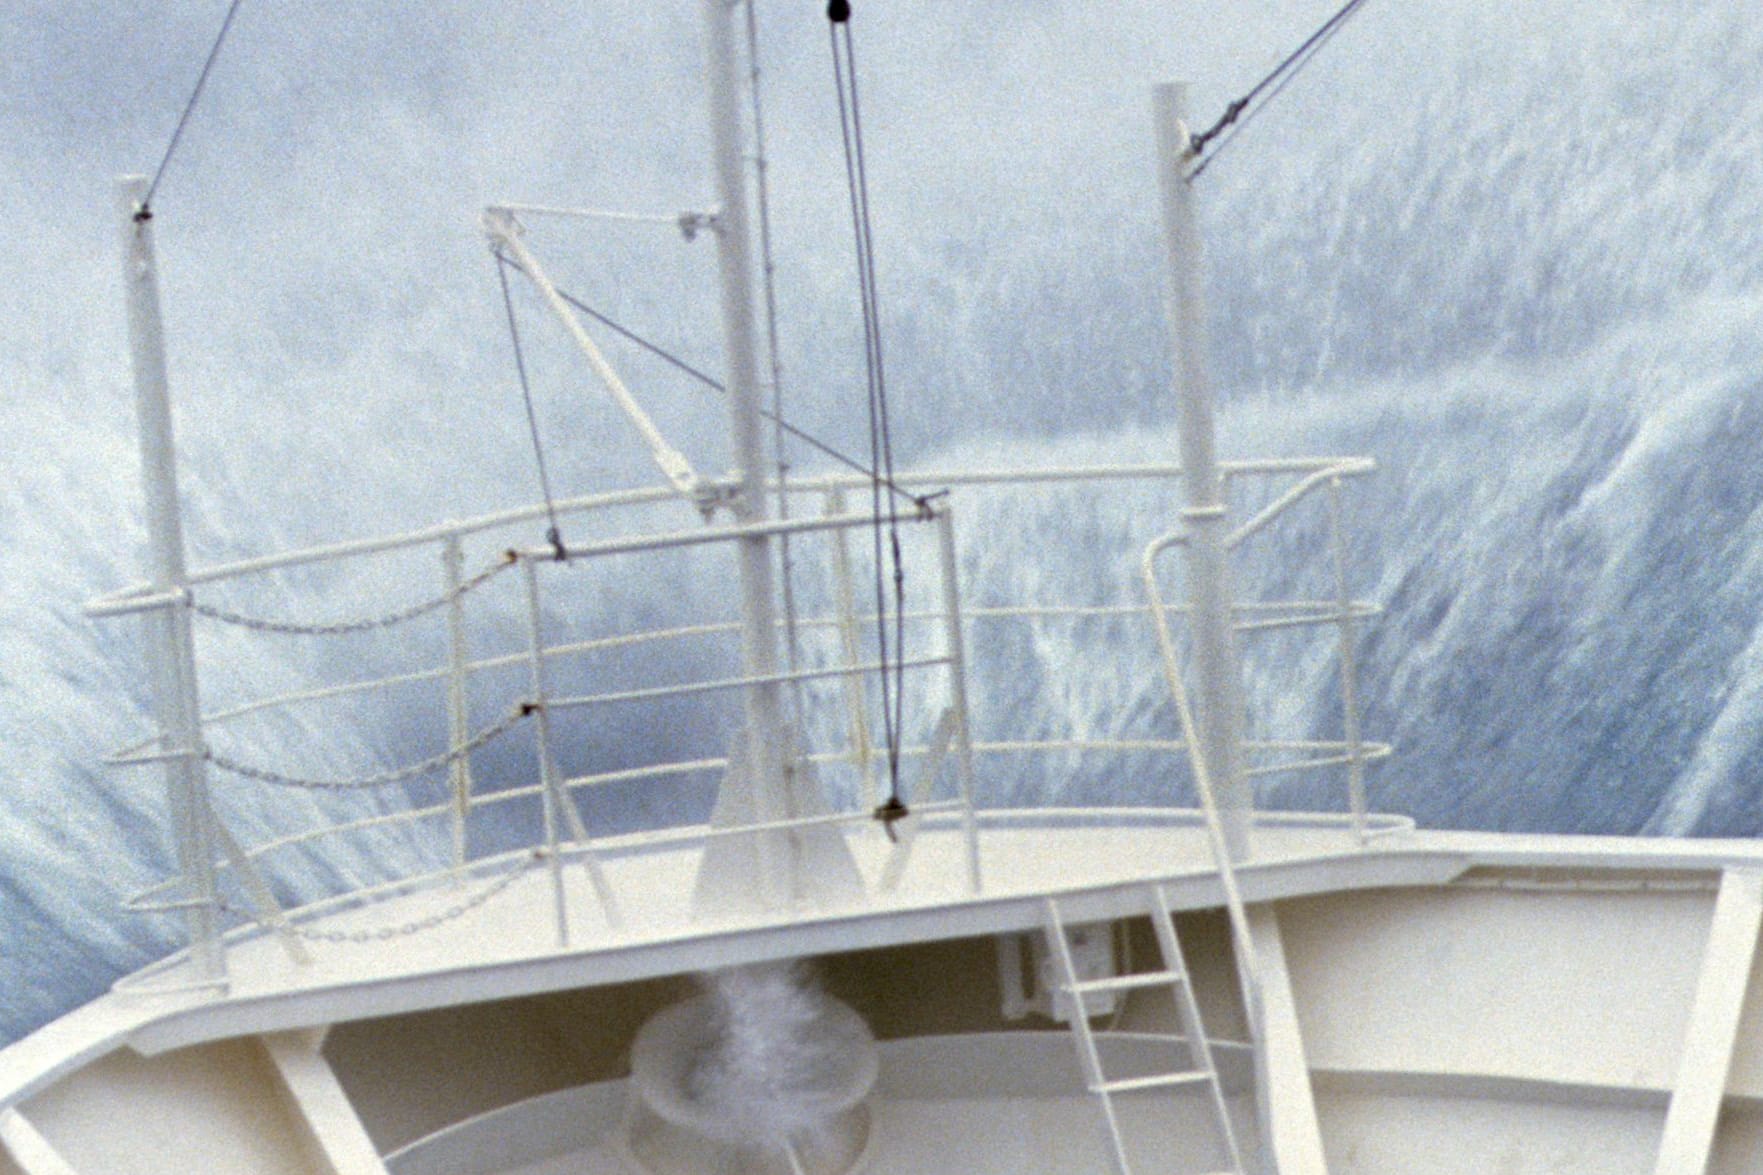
880 438
553 535
145 211
920 502
1283 74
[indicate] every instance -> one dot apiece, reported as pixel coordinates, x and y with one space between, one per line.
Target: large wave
1515 256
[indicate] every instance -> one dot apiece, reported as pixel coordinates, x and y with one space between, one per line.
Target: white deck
987 1105
1419 966
508 946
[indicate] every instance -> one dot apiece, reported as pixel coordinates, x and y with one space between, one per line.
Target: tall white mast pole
1220 705
171 649
765 726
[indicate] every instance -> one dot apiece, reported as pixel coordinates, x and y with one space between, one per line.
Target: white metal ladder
1174 974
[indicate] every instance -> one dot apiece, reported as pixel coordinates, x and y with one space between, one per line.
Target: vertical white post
856 695
1220 693
957 654
172 649
1349 666
548 784
453 573
764 711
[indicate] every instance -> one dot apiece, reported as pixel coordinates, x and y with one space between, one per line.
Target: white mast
766 781
171 649
758 613
1220 694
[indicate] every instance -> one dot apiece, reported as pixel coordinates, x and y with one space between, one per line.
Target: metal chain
257 624
416 925
397 775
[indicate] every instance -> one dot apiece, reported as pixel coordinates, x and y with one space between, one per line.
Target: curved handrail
138 595
572 842
1355 752
1248 971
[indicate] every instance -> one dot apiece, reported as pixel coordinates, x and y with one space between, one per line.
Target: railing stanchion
453 568
956 652
549 798
1349 663
856 694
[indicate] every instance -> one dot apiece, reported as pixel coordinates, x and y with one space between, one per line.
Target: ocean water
1515 257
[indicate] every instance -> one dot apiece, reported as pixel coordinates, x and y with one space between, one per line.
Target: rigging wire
1235 119
881 452
145 212
768 274
554 534
920 502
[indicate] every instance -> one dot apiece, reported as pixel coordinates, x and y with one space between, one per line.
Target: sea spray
779 1060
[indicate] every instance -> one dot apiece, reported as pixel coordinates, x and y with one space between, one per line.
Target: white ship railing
564 837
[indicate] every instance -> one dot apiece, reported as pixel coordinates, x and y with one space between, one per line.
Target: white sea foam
779 1062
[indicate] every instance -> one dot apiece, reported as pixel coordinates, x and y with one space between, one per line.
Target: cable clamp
890 814
501 226
708 493
693 223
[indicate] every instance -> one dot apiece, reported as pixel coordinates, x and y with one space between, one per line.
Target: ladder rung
1154 1081
1133 982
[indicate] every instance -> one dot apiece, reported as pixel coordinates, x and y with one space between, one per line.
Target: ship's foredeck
494 933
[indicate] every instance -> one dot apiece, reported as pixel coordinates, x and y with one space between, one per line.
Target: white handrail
1249 972
566 840
651 496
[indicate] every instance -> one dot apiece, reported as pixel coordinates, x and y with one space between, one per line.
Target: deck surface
509 944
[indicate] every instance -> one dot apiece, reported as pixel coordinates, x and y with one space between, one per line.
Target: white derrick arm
505 231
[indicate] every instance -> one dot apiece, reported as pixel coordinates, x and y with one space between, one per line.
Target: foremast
767 781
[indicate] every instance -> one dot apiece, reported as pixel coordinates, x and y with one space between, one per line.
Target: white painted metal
1201 1071
506 232
856 695
774 787
906 831
1294 755
1702 1071
552 802
1286 1104
1220 701
1348 651
171 650
1217 836
955 644
458 729
323 1108
677 219
28 1148
135 598
1187 1009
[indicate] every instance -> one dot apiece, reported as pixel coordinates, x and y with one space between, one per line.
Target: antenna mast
1221 709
